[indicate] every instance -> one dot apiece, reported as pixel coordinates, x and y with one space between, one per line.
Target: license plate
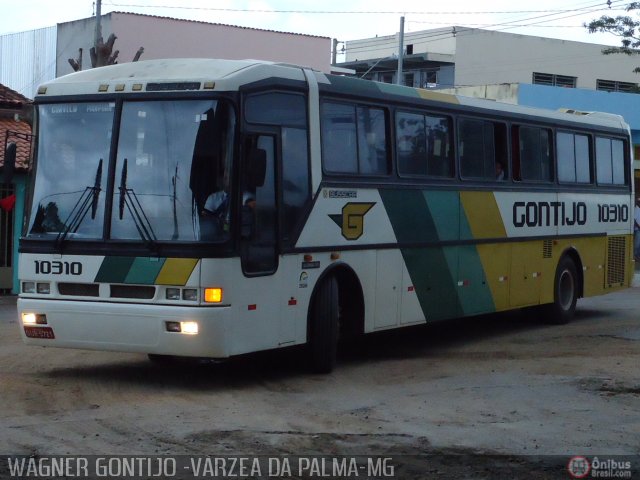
39 332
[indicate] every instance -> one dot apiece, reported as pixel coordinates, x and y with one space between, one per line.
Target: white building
459 56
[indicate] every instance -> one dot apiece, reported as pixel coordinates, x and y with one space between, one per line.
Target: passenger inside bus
499 171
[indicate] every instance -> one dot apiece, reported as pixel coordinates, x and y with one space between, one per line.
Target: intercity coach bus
212 208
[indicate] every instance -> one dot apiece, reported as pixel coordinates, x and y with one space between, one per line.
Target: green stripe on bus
432 269
445 211
409 215
144 270
114 269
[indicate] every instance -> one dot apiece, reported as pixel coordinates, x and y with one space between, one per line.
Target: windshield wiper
87 201
129 199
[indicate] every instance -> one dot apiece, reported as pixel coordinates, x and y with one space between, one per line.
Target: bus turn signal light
213 295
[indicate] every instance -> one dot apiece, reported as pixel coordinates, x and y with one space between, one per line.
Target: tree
622 26
101 53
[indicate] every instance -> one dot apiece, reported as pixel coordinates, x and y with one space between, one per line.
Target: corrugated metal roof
28 59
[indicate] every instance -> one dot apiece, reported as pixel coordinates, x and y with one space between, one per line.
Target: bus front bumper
125 327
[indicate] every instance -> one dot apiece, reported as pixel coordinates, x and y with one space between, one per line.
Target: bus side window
534 154
482 146
610 161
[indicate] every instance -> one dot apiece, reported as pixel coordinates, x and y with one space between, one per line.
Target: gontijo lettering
546 214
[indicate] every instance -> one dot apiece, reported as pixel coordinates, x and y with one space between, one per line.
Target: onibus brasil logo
351 220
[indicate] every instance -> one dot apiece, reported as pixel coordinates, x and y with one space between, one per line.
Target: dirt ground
532 394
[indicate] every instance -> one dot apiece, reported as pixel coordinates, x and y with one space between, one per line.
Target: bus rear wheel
323 327
565 293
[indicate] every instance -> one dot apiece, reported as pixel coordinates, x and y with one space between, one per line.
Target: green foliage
623 26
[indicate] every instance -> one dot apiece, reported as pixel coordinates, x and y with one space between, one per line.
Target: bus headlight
188 328
190 294
28 287
173 294
44 288
34 319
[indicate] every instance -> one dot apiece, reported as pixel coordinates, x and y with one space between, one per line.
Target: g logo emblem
351 221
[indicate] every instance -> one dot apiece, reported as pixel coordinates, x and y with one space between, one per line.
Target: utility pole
98 33
334 52
400 52
101 53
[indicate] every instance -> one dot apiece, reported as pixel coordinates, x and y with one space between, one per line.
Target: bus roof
192 74
167 75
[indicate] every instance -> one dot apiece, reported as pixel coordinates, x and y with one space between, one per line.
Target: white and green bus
211 208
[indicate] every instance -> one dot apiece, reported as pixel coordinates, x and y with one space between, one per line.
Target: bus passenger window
339 138
354 139
423 145
532 156
482 147
610 163
573 157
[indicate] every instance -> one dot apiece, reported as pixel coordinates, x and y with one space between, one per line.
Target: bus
212 208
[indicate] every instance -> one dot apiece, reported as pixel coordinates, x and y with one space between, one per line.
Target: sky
342 20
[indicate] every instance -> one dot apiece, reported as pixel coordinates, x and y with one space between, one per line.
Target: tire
323 327
565 293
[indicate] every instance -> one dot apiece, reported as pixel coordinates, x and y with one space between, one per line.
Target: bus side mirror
256 167
9 163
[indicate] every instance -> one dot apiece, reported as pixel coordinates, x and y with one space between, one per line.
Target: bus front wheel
323 327
565 293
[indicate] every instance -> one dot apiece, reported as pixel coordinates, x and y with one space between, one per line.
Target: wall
28 59
172 38
439 41
486 57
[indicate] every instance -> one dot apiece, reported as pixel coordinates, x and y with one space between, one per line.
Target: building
459 56
15 119
49 50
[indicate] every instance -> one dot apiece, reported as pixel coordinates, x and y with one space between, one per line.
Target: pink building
163 37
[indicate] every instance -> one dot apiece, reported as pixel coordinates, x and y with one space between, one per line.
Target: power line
337 12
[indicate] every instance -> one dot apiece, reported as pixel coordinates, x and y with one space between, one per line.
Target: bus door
261 285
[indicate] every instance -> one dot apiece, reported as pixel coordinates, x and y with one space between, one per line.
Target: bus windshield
171 177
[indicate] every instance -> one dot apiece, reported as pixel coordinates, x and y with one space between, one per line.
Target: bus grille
547 249
79 289
616 248
132 291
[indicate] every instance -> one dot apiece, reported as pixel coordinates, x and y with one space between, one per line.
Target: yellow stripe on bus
176 271
483 215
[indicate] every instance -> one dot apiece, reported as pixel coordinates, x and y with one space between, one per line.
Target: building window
408 79
386 77
554 80
429 78
615 86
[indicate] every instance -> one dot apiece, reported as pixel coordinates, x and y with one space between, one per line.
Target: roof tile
23 147
11 99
